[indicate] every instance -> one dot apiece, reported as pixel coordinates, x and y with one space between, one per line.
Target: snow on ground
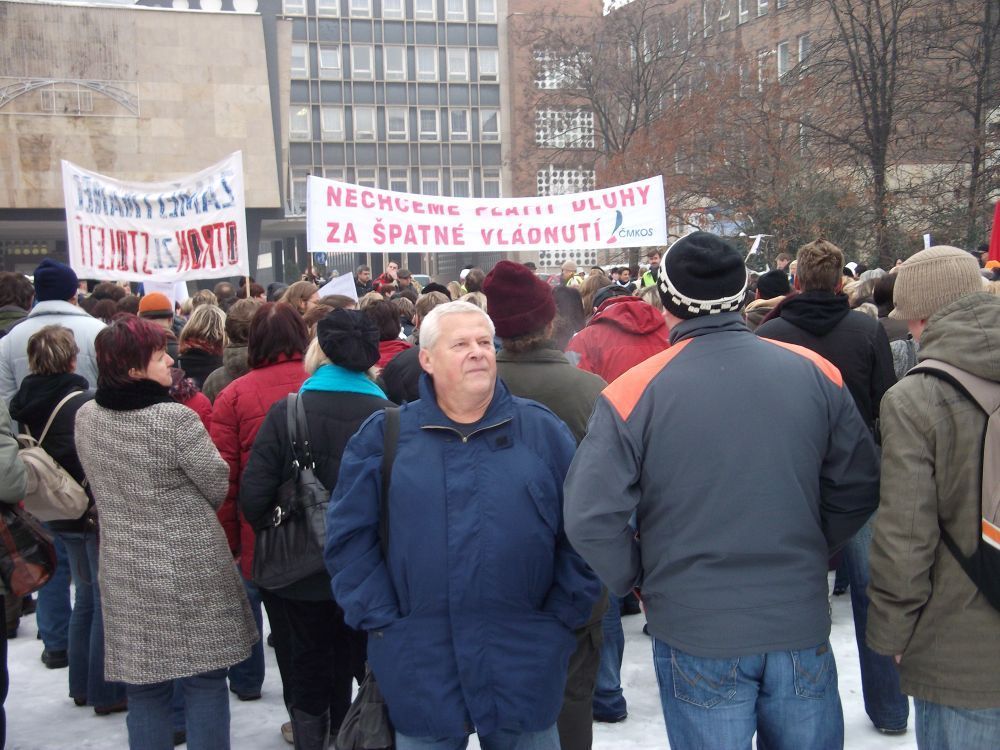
40 716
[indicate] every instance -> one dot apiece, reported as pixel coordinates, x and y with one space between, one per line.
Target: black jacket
199 364
32 405
401 377
854 342
333 417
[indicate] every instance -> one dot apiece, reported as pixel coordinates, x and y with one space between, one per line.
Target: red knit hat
517 300
155 305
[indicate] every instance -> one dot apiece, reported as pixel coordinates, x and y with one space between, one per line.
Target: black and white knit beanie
702 274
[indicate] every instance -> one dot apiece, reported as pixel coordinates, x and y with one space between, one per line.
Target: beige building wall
134 93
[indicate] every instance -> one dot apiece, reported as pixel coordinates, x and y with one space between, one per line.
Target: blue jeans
885 704
609 702
789 698
941 727
86 626
53 609
505 739
150 723
247 677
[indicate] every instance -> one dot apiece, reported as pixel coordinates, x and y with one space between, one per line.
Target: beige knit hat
933 278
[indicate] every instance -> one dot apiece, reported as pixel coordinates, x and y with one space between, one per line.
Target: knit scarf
331 377
192 342
137 394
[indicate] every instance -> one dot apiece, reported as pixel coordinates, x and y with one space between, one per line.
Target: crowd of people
513 462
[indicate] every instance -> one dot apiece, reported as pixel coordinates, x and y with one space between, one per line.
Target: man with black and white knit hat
731 554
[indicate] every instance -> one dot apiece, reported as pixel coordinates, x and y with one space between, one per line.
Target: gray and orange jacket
733 534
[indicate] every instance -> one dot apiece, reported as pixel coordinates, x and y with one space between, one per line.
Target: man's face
654 260
463 360
403 283
392 268
623 277
783 263
568 273
364 276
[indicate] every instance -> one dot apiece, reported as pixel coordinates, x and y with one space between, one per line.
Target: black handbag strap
390 440
298 433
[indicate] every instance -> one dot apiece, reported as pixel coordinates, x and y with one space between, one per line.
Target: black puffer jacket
401 377
333 417
32 405
854 342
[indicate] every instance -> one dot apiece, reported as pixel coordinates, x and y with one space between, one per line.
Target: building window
780 4
328 7
761 8
554 181
564 128
330 64
366 177
293 7
300 60
458 124
486 10
744 6
425 10
361 8
803 49
393 9
299 123
427 63
364 123
723 14
455 10
399 180
362 56
428 120
491 183
489 64
784 60
430 181
300 179
334 173
458 63
552 70
489 125
332 123
762 68
707 21
396 119
394 60
461 183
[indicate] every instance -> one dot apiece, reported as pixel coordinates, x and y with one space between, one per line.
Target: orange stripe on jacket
625 392
825 365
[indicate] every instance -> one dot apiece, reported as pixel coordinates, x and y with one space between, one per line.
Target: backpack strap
390 441
986 395
52 416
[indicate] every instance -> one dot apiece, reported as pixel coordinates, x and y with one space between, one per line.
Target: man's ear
425 361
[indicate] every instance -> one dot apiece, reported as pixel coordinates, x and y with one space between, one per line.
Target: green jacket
923 606
12 474
546 376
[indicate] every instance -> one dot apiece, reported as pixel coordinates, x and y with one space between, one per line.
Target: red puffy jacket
237 414
623 332
389 349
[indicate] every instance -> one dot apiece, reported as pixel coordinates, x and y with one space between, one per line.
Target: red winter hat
517 300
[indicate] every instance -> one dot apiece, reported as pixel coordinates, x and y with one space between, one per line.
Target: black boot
311 732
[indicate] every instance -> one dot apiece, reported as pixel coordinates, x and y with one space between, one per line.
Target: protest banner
342 285
348 218
190 228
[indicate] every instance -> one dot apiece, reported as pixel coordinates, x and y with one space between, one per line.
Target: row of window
393 63
461 182
423 10
564 128
395 124
561 181
783 54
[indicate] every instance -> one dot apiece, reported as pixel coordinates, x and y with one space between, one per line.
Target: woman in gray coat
174 605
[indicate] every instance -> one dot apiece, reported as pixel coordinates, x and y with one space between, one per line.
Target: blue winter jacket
471 621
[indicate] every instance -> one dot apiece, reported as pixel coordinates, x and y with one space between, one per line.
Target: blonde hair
52 350
993 287
651 295
207 323
369 299
298 294
589 289
455 290
204 297
475 298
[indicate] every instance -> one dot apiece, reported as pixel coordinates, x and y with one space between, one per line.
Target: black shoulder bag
366 725
289 545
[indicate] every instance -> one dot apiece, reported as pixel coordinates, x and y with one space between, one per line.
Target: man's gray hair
430 327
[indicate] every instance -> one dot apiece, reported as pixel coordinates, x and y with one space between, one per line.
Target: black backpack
983 566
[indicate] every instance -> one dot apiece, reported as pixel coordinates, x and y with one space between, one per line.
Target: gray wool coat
173 602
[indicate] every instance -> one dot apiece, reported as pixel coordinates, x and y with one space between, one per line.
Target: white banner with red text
348 218
190 228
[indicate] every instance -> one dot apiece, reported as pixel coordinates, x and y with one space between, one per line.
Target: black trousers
318 655
576 719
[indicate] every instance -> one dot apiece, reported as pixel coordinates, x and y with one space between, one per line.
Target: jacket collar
706 324
500 410
57 307
546 354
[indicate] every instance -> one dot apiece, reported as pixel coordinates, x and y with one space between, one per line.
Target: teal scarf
332 377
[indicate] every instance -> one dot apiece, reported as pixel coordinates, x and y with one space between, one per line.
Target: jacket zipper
465 438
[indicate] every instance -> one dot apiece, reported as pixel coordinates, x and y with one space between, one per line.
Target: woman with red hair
175 611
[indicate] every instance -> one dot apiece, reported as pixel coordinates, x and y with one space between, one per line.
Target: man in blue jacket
733 535
471 617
